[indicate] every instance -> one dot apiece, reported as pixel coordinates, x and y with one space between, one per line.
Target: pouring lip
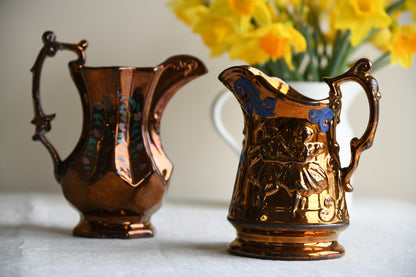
274 84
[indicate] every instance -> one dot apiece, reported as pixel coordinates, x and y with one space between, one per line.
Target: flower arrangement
302 40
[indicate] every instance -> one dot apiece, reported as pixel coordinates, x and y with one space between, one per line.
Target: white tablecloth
191 240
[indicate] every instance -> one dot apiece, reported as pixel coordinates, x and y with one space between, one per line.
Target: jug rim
277 85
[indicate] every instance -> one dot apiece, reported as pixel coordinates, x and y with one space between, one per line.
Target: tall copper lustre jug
118 172
289 194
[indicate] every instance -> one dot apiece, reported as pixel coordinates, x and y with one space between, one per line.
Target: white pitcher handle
216 111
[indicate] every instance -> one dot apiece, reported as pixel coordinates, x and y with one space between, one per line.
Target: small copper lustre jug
289 194
118 172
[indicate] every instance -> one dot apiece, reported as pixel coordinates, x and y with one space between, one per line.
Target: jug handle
360 74
41 120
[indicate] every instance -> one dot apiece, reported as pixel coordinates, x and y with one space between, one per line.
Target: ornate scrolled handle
41 120
360 74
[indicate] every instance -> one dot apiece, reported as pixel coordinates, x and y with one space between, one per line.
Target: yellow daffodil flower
188 10
360 17
381 38
243 12
265 33
246 48
214 31
273 41
403 45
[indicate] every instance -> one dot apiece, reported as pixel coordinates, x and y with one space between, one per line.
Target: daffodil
360 17
381 38
302 40
330 30
188 11
274 41
214 31
246 48
243 13
403 45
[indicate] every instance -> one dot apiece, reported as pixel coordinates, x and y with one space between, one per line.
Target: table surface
191 240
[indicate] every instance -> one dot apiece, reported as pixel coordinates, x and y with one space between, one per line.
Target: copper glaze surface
117 173
289 194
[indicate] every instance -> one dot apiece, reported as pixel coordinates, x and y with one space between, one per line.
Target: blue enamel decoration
254 104
322 117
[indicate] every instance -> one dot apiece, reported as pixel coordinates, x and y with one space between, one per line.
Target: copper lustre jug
118 172
289 195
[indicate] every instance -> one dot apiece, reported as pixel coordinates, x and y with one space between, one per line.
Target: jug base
114 227
286 241
286 251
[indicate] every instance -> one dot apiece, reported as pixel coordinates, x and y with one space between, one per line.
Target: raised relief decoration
289 194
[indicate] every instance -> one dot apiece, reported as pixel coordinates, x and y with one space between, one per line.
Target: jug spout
171 75
244 82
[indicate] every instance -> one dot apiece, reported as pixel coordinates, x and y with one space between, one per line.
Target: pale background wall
145 33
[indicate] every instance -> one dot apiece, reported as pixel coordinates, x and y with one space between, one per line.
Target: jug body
289 195
117 174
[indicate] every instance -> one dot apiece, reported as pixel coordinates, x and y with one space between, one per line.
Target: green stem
335 48
298 59
312 67
275 69
321 40
289 76
271 68
395 6
337 43
316 51
307 71
350 50
339 54
297 75
381 61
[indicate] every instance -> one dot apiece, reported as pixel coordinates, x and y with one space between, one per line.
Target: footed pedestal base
127 227
287 251
287 242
